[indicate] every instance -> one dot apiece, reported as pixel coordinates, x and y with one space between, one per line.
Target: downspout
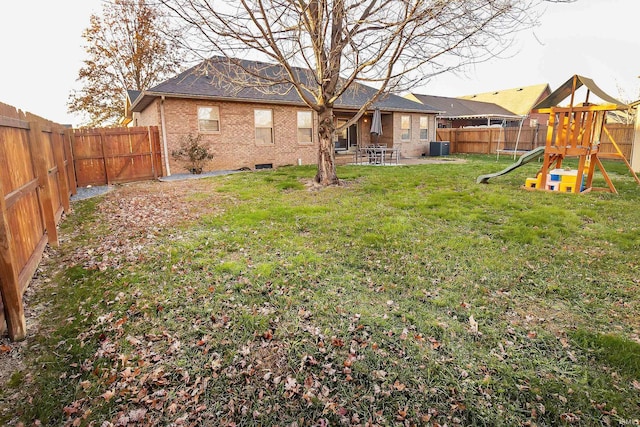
164 137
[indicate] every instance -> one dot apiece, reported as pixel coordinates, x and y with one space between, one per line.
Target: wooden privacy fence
36 179
115 155
41 164
488 140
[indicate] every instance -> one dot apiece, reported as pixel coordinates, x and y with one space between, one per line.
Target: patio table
377 155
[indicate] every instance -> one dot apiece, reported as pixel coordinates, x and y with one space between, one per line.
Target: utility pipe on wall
164 137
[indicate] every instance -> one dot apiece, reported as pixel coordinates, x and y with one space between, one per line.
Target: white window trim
198 118
255 127
402 138
298 128
421 128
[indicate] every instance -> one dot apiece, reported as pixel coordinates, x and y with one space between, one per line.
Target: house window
208 119
305 127
264 126
424 127
405 127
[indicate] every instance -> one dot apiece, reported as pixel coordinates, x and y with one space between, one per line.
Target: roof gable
519 100
132 95
207 81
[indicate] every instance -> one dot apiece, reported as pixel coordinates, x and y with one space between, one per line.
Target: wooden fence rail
490 140
41 164
35 185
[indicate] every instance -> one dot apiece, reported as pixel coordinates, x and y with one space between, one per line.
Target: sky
41 47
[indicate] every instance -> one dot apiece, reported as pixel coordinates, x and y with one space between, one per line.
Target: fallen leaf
379 374
107 395
402 414
569 417
137 415
473 325
435 344
133 341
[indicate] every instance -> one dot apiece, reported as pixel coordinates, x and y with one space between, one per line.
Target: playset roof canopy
568 88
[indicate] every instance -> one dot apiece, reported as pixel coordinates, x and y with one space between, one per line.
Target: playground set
574 131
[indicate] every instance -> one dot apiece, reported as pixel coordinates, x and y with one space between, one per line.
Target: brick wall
414 147
235 147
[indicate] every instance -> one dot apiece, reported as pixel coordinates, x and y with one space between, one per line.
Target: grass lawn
408 296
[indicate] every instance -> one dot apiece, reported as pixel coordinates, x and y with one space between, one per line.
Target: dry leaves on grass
136 214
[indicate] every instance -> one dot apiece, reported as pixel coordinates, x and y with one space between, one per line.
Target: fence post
153 154
37 151
63 180
103 138
71 165
9 282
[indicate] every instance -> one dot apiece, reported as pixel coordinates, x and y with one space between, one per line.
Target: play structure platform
523 159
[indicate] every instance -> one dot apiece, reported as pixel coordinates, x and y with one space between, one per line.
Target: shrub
193 153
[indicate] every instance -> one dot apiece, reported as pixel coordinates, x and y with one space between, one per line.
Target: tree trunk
326 154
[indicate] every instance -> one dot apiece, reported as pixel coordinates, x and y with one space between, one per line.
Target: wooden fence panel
623 137
88 157
22 230
34 193
21 194
489 140
105 156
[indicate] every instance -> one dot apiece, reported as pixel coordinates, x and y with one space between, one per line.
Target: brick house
249 127
458 113
502 107
519 100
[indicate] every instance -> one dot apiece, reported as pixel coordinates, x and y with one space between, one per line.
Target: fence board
117 155
38 151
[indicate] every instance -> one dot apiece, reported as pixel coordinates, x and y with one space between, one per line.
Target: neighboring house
251 127
457 113
128 114
519 100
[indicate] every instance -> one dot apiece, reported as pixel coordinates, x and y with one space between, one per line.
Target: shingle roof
207 81
459 108
520 100
133 94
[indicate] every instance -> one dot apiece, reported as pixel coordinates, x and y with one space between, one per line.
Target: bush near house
193 153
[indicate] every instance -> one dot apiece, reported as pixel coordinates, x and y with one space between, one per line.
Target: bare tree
127 49
391 45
